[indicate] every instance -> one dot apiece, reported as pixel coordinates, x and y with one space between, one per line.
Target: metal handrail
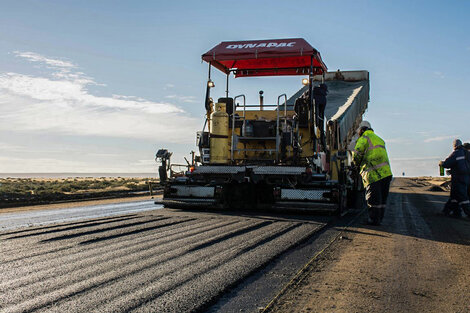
172 172
285 110
256 105
244 106
285 104
278 141
232 148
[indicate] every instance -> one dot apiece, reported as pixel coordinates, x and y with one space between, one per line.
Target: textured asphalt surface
154 261
258 289
31 218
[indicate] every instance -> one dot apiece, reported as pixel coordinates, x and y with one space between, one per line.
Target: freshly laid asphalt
41 217
153 261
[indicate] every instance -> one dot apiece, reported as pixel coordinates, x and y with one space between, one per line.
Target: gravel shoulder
417 261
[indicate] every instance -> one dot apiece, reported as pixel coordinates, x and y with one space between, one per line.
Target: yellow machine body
281 156
250 149
245 145
219 135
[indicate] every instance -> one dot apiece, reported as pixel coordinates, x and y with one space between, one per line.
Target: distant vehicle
274 156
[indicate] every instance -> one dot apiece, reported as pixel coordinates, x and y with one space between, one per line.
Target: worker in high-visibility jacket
370 156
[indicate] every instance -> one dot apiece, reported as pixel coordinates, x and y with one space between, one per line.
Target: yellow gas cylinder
219 142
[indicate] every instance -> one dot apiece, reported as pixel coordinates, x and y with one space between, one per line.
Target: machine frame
293 164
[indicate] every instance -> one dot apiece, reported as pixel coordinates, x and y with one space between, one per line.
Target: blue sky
98 86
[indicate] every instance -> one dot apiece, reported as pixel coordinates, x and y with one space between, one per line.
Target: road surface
153 261
417 261
161 260
24 217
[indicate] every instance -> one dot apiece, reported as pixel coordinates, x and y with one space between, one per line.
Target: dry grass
26 190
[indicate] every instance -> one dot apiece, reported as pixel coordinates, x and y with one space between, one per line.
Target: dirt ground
417 261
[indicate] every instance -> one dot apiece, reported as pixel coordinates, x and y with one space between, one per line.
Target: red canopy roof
265 57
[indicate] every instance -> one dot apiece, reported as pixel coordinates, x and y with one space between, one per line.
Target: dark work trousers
321 117
452 205
376 198
459 193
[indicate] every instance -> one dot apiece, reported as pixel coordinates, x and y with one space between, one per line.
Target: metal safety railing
233 144
234 136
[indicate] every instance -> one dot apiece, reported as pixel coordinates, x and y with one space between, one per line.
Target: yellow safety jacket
371 157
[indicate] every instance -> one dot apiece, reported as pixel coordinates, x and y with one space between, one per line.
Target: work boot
448 207
456 213
446 211
374 215
381 213
466 209
370 221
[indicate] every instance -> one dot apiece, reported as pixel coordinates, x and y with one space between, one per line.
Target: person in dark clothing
467 146
458 163
319 94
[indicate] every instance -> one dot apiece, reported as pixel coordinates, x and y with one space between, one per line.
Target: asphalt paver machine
292 154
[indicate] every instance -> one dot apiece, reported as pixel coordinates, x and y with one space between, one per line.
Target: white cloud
416 159
439 74
423 133
46 165
62 104
144 163
169 86
103 155
440 138
189 99
9 147
34 57
415 166
399 140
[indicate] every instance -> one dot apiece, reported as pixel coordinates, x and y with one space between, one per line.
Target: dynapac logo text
262 45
